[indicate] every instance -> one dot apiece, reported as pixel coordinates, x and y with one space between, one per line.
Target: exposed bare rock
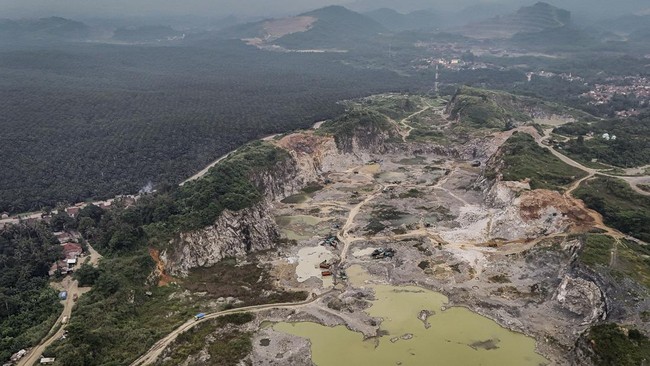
581 297
233 234
277 348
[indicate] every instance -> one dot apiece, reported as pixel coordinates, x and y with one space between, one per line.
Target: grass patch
245 282
523 158
632 259
500 278
386 212
312 187
296 198
596 249
374 227
621 207
411 193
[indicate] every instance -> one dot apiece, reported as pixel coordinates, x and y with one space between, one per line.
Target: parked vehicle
199 316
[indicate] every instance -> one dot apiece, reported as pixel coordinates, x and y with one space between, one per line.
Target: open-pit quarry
417 253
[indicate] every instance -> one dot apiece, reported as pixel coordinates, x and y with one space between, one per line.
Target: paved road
156 350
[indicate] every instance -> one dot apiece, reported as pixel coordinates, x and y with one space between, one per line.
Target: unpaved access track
156 350
72 287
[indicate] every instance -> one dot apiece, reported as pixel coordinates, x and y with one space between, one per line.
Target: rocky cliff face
235 233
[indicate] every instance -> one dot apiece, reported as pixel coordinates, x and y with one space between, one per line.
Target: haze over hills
393 20
529 19
51 28
147 34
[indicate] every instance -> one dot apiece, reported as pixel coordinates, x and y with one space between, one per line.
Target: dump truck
199 316
326 273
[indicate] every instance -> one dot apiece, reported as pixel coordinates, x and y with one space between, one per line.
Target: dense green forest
631 147
621 207
101 120
612 345
29 306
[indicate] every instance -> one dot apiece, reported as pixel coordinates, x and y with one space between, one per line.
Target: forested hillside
100 120
29 305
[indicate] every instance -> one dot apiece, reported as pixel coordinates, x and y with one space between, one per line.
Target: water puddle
420 331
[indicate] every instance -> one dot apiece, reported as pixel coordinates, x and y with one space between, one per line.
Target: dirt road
72 287
156 350
408 128
35 354
344 237
631 181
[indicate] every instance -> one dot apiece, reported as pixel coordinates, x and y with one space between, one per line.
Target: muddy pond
419 330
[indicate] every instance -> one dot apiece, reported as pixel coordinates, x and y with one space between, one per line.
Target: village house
73 211
63 237
72 250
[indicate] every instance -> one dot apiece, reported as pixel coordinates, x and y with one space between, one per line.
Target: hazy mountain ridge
43 28
536 18
146 33
396 21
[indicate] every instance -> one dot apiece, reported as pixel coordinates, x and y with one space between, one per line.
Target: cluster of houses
632 85
71 252
72 211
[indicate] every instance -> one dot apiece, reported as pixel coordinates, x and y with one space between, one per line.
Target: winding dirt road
631 181
156 350
72 287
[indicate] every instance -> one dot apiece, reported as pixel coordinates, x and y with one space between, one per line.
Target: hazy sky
216 8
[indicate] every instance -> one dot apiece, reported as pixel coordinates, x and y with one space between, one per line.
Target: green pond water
301 227
296 198
456 336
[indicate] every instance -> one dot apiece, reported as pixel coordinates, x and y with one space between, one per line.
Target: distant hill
146 34
561 38
626 24
641 34
480 12
329 27
530 19
43 29
335 27
395 21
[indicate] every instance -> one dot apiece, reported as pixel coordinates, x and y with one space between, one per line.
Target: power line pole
436 83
